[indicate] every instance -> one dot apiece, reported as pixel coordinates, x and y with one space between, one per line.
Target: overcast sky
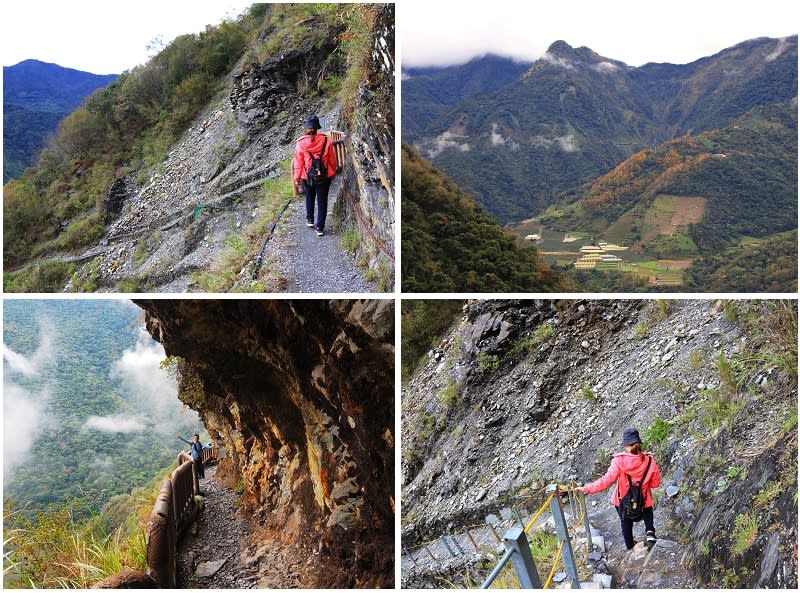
101 37
632 31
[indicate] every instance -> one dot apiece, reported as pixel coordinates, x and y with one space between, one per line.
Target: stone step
597 540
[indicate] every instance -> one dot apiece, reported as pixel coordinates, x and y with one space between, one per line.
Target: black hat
630 436
312 123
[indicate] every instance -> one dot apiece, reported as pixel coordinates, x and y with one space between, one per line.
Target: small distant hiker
313 169
629 469
197 454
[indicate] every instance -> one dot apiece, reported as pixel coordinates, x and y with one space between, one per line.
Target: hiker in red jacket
310 148
632 462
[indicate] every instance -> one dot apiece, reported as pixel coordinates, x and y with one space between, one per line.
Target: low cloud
113 424
445 140
605 67
24 406
566 143
29 366
153 388
23 419
782 46
557 61
498 139
148 387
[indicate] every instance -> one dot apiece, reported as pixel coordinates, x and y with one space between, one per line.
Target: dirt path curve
209 554
312 263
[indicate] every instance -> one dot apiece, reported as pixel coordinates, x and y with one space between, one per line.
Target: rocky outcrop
115 199
368 176
300 397
182 214
262 91
526 393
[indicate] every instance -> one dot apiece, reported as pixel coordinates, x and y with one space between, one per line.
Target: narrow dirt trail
220 551
209 555
311 263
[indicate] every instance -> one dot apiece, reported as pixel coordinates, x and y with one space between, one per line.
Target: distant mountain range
696 162
573 115
36 96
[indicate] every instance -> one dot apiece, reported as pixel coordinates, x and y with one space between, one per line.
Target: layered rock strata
300 397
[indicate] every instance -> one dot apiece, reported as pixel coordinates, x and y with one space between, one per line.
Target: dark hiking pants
627 525
319 194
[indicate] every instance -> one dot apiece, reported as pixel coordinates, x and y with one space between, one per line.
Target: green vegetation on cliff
449 244
128 127
424 321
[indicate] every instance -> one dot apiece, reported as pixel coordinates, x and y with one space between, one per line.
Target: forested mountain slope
722 194
451 245
36 96
429 92
88 414
574 115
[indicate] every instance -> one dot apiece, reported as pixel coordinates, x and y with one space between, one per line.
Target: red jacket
303 151
634 466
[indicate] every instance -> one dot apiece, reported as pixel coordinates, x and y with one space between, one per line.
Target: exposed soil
219 551
688 210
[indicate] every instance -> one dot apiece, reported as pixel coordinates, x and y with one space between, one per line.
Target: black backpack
317 172
631 505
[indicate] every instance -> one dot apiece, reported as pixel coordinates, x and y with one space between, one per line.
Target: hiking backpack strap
644 476
321 152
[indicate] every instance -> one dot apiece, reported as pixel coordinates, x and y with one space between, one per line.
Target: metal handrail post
472 539
582 502
457 545
515 539
493 575
410 555
572 506
557 508
517 515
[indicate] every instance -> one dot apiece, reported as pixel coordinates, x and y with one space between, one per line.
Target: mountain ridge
595 115
543 144
36 96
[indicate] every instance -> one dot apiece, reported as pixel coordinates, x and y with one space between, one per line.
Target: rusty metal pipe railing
184 485
174 510
183 457
209 454
162 539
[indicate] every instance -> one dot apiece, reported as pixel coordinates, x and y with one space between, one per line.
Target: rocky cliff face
526 393
368 177
300 396
174 220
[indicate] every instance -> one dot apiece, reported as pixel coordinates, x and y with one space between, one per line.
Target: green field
556 252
